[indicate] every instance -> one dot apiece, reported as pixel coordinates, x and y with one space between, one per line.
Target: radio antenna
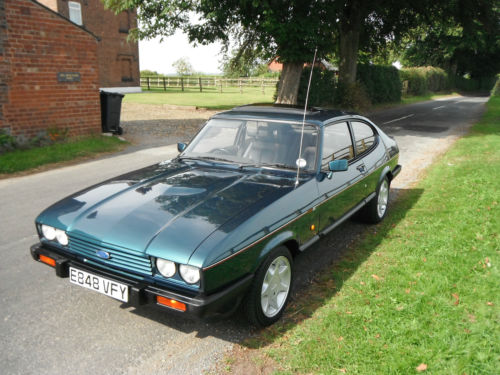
299 159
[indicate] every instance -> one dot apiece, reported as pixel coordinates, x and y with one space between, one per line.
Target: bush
382 83
43 138
424 79
322 92
7 141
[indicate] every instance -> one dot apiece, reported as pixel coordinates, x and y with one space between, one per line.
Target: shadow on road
312 267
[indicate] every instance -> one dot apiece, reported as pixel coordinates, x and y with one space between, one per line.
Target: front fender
274 242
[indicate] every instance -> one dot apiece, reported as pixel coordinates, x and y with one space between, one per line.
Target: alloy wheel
276 286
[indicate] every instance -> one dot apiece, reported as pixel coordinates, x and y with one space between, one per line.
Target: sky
159 56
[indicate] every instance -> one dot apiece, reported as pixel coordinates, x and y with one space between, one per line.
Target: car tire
375 210
270 291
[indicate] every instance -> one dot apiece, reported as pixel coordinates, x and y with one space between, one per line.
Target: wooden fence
208 83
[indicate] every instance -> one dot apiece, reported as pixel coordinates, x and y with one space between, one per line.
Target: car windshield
255 143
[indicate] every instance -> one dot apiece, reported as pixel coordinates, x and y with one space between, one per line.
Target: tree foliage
243 62
292 29
183 67
463 37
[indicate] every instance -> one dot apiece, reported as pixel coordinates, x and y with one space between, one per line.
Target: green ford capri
221 223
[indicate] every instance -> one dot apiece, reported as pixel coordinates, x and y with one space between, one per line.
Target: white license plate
99 284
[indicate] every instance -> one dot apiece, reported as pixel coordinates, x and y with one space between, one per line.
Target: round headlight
49 232
62 237
165 267
190 274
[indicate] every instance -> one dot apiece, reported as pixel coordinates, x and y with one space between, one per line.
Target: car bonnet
167 215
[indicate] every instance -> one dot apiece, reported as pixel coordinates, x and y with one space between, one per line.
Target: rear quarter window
364 137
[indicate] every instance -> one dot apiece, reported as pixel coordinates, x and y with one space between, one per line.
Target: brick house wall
36 45
4 67
118 58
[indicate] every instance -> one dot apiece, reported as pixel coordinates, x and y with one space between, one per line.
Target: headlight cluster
167 268
51 234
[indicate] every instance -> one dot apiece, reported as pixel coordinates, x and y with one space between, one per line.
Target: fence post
149 88
220 85
182 83
164 85
262 84
199 81
239 84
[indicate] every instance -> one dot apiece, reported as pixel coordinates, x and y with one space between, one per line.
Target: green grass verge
212 99
421 288
22 160
406 100
422 98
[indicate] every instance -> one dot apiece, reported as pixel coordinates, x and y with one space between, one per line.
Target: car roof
284 112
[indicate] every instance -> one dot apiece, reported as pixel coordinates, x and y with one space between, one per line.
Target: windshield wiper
250 165
278 165
207 158
266 165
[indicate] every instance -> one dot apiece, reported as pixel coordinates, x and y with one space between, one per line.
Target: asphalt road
48 326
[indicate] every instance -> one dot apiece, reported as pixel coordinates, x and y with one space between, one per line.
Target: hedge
424 79
382 83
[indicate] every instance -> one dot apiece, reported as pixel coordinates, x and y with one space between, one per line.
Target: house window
75 12
126 69
124 18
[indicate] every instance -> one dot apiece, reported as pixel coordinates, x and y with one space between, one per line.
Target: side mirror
338 165
181 146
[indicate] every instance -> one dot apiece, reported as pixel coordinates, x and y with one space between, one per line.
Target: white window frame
75 12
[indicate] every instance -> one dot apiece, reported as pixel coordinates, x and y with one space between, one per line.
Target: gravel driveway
148 125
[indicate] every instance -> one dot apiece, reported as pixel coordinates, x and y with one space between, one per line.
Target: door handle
361 168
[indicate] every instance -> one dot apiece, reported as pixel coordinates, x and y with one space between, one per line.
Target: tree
242 62
183 67
288 29
462 39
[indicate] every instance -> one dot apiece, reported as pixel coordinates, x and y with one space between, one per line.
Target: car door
366 141
339 191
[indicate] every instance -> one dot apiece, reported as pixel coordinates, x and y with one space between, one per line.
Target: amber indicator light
171 303
313 227
44 259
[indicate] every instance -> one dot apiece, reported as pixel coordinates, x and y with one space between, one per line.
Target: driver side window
337 144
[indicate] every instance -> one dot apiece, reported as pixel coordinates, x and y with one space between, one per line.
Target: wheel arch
386 172
286 238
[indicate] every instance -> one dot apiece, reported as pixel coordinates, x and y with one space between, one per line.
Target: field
209 98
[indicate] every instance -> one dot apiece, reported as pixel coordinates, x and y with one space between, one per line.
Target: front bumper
141 293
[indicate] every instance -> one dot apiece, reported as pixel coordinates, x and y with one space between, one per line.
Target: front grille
124 259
